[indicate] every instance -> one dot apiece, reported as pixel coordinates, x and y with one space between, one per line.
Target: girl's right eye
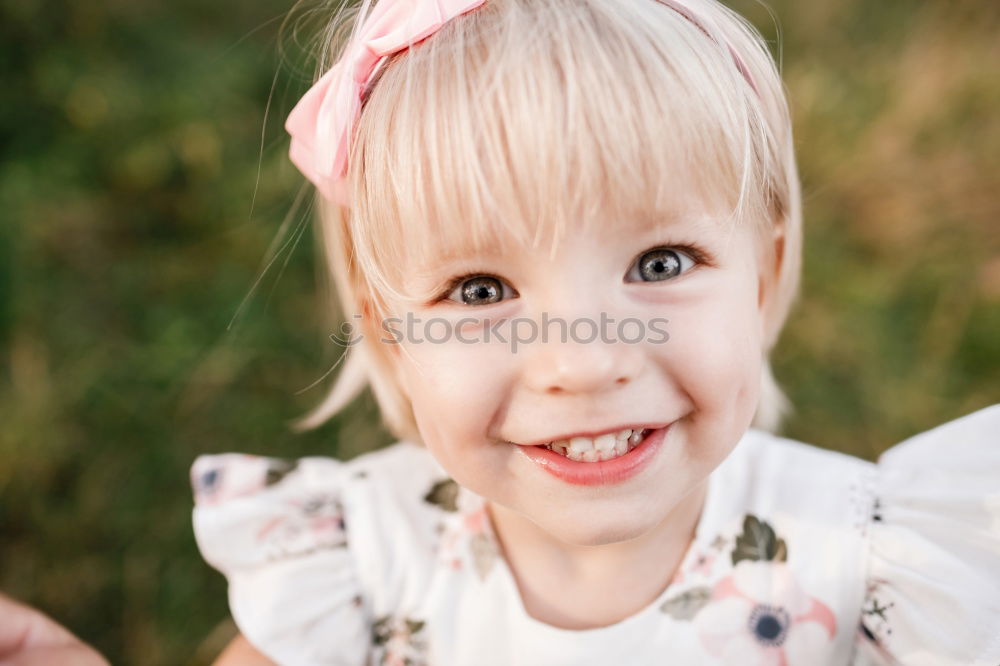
478 290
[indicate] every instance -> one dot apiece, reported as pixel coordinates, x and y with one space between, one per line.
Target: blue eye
661 264
477 290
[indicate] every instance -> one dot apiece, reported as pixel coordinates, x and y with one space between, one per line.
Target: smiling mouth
596 449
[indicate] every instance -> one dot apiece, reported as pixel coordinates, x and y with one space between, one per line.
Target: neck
569 586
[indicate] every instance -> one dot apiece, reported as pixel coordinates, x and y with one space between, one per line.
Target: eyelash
699 257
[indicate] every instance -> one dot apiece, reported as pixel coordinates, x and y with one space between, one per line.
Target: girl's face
693 291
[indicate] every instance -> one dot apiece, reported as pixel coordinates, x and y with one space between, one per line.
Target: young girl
569 232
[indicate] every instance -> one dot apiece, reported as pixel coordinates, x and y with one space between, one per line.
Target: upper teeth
603 447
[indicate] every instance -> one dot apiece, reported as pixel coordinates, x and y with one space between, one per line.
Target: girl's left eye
662 263
478 290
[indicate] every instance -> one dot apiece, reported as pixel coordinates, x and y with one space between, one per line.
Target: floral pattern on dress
312 523
761 615
217 479
758 614
302 522
399 641
443 494
874 627
701 564
468 533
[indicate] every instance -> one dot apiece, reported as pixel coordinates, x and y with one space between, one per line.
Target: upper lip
596 433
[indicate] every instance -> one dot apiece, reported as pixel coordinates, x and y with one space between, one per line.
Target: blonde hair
468 134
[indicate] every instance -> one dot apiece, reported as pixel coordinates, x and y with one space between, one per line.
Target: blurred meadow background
158 300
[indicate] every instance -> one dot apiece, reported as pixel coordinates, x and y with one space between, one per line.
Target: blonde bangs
523 120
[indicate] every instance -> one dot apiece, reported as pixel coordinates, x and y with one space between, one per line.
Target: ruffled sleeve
933 571
277 530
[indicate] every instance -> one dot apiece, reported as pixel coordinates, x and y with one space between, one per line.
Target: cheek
714 351
455 390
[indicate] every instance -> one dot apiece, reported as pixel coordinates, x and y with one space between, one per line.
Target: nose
579 367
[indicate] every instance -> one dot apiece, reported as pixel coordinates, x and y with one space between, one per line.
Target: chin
588 531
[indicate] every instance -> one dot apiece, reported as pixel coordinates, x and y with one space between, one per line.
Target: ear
771 258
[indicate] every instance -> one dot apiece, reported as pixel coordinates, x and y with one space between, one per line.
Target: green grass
131 143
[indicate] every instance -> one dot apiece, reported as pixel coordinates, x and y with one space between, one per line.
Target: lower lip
602 472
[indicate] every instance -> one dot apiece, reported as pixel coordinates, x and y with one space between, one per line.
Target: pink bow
323 121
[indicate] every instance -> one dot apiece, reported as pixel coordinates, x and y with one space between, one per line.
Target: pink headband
323 121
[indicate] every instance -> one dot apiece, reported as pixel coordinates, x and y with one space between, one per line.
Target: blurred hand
29 638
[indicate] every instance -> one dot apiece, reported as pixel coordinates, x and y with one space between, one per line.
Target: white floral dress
802 557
